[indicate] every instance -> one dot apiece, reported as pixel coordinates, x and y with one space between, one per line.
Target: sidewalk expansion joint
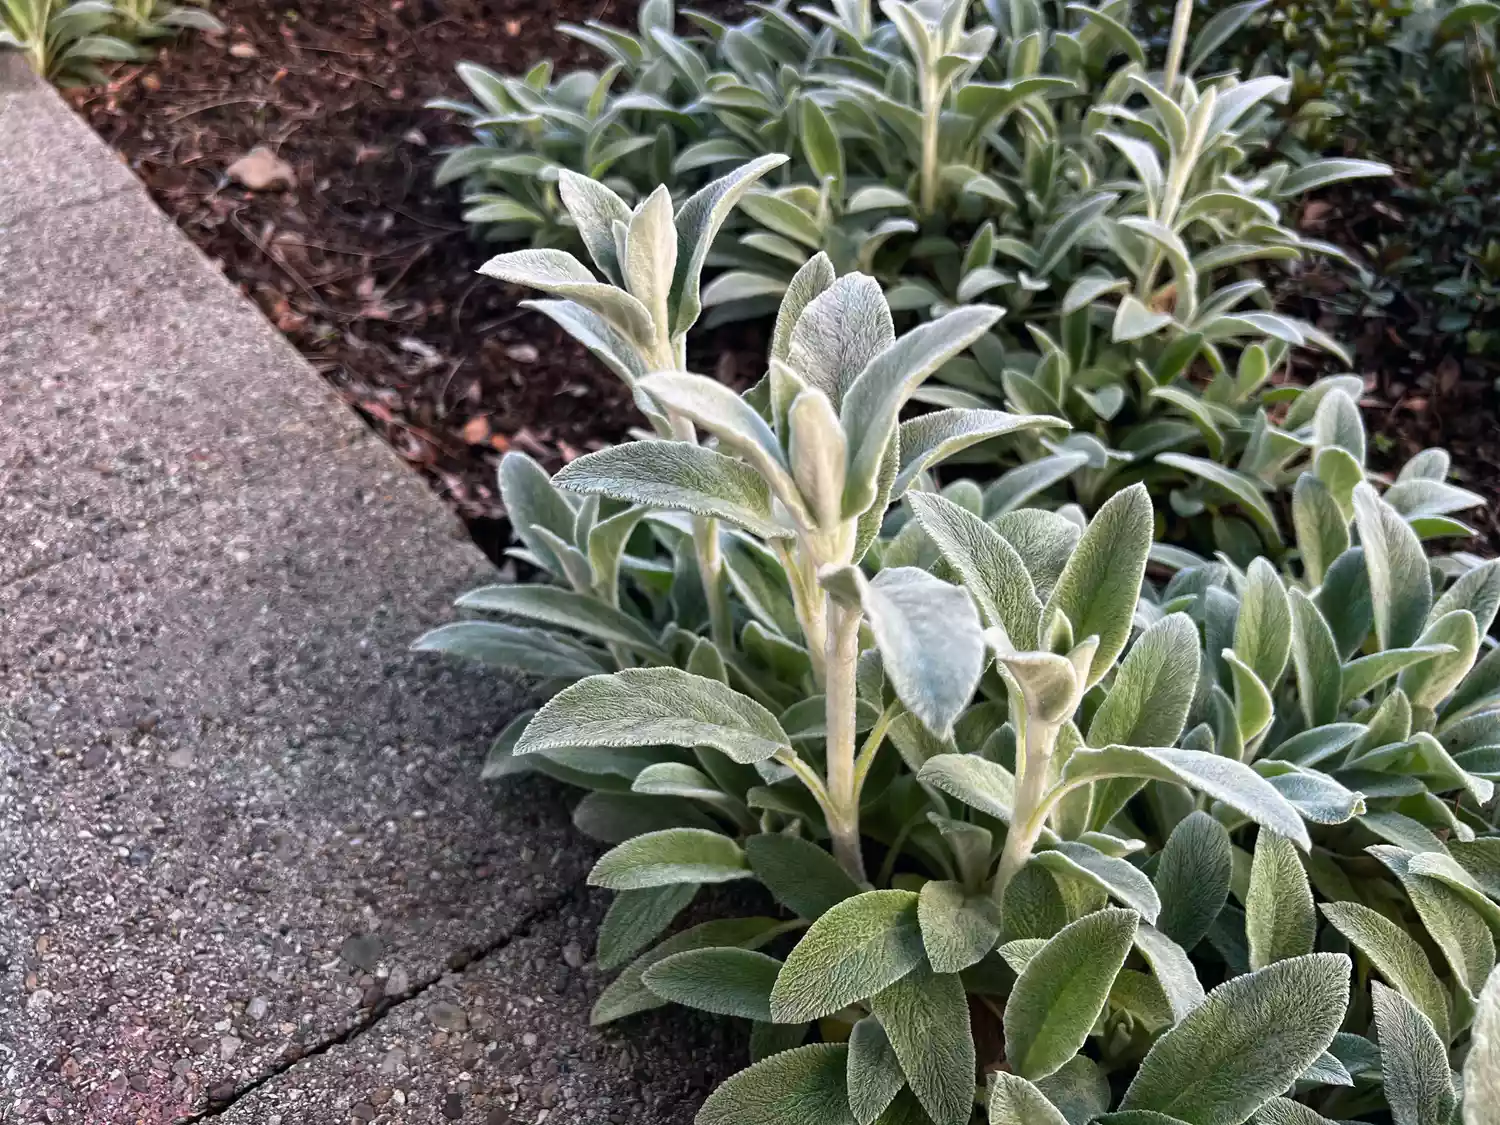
462 963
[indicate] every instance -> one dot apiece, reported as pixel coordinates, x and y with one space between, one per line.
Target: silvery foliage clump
1109 194
1050 841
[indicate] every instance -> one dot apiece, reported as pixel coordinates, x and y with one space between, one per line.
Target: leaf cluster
66 41
1062 824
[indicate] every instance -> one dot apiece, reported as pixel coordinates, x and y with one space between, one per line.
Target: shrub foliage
1032 160
1061 825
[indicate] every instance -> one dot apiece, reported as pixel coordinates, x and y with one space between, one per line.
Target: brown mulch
1422 388
364 264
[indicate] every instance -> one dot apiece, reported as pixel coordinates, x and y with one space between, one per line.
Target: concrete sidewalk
246 866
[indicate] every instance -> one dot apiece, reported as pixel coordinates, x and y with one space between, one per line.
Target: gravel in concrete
507 1042
227 784
145 381
42 171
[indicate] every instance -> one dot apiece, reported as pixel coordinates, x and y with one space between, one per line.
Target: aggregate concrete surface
246 868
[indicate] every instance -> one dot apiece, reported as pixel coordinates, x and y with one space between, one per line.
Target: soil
1421 387
363 264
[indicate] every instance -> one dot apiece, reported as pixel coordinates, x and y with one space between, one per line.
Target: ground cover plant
67 42
1028 160
1053 840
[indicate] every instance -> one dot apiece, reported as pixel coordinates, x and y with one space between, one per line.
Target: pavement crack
457 964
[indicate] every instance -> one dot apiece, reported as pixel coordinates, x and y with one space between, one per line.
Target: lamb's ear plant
64 42
1033 837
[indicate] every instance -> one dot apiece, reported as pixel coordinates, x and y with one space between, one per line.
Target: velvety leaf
698 221
594 209
875 1076
853 951
800 875
1429 683
1482 1068
717 409
724 980
678 476
1245 1043
986 564
875 398
1400 581
562 275
958 929
564 609
1100 585
651 706
1366 672
803 1086
1172 969
627 994
1315 657
1263 629
1280 921
1322 530
1478 591
498 645
1015 1101
1246 491
1224 779
1192 878
673 855
926 1018
931 438
1118 878
1395 955
839 332
1282 1111
767 1039
1062 990
1458 931
977 782
1318 797
1044 540
930 641
1413 1062
636 918
527 491
1148 702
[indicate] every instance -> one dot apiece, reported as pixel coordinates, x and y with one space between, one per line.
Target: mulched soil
1422 389
366 268
364 264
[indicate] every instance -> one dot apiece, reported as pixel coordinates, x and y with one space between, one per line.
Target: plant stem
1182 19
1030 813
808 602
843 796
715 584
931 118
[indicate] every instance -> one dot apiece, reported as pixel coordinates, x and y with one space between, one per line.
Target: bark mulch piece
363 264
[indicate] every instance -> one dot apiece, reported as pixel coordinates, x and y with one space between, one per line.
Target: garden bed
366 268
363 263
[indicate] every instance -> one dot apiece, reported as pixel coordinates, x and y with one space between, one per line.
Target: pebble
448 1017
398 982
573 955
523 353
260 169
258 1008
229 1045
243 50
394 1061
362 951
453 1107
